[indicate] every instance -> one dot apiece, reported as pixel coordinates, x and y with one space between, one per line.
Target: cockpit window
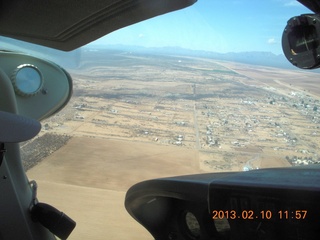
204 89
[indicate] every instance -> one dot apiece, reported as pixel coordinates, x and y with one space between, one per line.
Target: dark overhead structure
67 25
313 5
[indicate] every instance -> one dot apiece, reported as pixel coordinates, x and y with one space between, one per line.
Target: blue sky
215 25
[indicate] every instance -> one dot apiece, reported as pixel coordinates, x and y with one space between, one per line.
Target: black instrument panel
261 204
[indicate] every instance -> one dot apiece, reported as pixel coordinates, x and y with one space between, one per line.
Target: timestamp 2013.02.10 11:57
259 215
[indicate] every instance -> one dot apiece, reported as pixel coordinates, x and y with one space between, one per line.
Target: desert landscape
137 116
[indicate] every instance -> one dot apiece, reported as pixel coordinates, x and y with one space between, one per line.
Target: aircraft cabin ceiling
67 25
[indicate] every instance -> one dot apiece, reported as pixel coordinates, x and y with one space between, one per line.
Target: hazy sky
215 25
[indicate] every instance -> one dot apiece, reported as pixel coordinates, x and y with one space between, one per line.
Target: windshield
203 89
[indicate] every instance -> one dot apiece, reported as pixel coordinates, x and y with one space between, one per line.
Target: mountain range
250 57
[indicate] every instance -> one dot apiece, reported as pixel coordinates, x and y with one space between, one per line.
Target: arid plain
135 117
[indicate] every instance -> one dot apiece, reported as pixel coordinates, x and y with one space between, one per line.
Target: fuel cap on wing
16 128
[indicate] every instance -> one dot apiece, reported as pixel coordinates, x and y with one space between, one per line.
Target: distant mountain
259 58
72 59
256 58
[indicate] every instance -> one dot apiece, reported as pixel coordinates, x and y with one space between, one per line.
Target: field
135 117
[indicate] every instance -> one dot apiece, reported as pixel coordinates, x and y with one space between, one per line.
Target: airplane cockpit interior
276 203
